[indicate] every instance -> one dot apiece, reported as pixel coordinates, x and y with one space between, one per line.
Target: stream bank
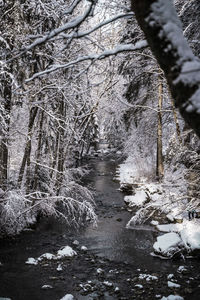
116 264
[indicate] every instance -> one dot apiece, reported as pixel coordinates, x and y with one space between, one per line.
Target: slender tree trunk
38 152
4 134
60 152
174 55
27 152
178 131
159 165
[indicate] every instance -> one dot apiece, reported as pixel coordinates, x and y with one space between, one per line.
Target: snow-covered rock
181 269
59 268
170 227
67 251
190 234
166 244
68 297
76 243
172 297
48 256
170 276
140 286
46 287
31 261
107 283
83 248
173 284
147 277
100 271
154 223
136 200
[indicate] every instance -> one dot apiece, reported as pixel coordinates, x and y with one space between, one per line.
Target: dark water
110 241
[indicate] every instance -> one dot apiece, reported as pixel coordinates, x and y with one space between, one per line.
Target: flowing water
122 254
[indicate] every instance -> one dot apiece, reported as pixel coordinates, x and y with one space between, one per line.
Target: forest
96 88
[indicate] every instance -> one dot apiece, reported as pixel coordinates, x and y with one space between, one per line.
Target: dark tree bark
159 164
27 151
163 30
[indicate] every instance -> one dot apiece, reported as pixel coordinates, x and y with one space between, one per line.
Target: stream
116 264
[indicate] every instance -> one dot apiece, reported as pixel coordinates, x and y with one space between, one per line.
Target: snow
140 286
172 297
31 261
48 256
148 277
62 253
46 287
76 243
170 227
59 268
167 242
118 49
181 269
99 270
68 297
127 172
153 222
173 285
190 234
66 252
83 248
164 13
138 199
107 283
170 276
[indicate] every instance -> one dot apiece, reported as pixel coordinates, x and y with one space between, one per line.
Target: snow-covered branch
93 57
162 27
85 33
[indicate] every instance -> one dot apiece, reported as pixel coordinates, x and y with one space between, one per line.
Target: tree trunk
27 152
159 164
4 134
38 152
178 131
163 30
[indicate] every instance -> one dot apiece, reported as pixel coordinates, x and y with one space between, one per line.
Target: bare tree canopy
163 30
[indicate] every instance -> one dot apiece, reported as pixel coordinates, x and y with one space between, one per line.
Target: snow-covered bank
162 202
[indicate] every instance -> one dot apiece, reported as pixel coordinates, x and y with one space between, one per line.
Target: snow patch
166 243
172 297
148 277
154 223
66 252
136 200
48 256
170 227
83 248
68 297
31 261
46 287
173 285
140 286
190 234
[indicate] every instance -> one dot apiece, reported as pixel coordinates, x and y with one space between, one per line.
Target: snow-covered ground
168 199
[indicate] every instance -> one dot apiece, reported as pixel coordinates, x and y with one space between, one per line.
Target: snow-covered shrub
73 203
